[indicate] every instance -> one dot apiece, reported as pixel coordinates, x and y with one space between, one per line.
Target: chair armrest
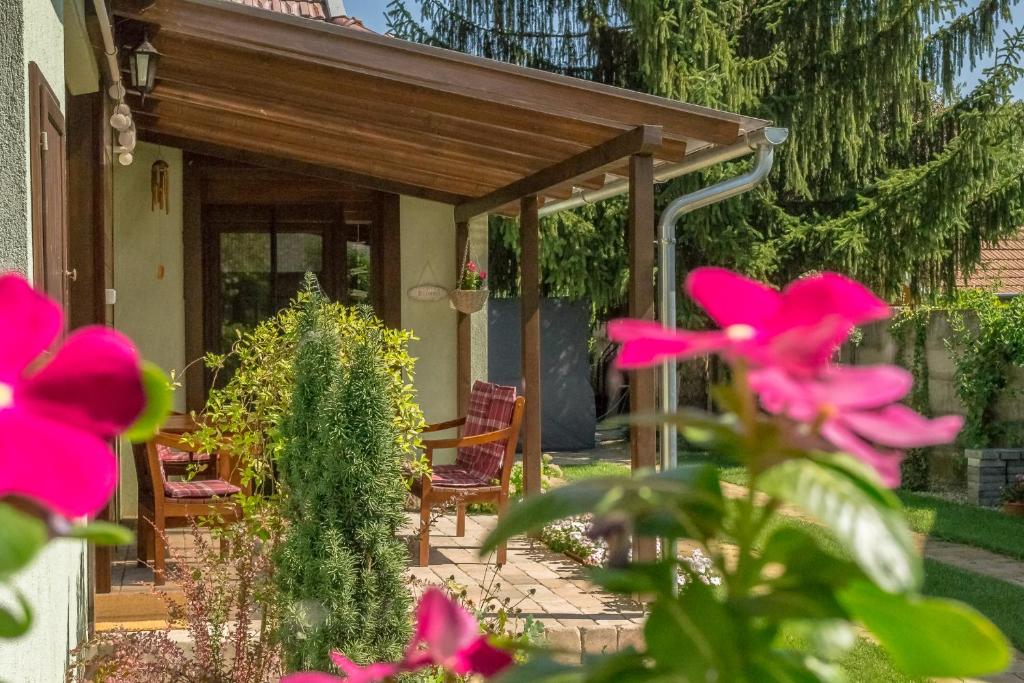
441 426
462 441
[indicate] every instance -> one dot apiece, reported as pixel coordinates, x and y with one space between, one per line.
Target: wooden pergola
377 112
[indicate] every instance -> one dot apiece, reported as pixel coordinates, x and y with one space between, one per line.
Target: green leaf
158 403
647 578
929 636
12 624
102 533
805 560
875 535
692 635
21 538
600 496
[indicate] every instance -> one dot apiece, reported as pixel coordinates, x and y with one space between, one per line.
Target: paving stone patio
577 617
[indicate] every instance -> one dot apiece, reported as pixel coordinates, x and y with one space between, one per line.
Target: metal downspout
763 142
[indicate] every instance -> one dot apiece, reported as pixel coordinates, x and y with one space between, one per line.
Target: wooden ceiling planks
356 97
386 114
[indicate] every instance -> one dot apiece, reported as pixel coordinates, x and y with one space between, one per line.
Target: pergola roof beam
640 140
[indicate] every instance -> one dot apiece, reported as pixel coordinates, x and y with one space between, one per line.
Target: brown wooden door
49 185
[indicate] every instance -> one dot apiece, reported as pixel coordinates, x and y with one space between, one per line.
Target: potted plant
471 293
1013 497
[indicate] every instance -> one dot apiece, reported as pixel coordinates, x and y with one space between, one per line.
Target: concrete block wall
989 470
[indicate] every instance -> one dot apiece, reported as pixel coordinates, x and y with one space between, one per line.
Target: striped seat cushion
456 477
490 410
172 456
200 488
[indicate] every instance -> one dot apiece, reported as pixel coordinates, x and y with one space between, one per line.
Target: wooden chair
486 450
173 504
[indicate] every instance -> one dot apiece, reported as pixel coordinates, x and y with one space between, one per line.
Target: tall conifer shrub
340 567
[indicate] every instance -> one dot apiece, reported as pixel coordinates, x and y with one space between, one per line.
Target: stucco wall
428 251
57 583
148 277
13 122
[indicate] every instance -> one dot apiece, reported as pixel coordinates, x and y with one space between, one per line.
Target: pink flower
483 274
854 407
471 266
446 636
57 415
797 329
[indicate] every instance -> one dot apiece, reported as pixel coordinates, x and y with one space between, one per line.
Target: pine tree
340 568
890 175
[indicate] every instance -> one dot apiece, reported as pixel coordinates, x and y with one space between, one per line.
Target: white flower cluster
572 536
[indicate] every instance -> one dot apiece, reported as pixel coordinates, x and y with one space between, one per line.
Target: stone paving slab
577 616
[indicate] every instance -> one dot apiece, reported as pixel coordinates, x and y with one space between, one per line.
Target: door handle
71 274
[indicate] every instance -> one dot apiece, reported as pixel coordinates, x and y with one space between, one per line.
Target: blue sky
372 13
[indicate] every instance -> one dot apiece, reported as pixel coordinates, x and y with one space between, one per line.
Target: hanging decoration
160 186
426 290
470 294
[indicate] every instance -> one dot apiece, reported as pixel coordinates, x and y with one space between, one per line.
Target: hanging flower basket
468 300
470 294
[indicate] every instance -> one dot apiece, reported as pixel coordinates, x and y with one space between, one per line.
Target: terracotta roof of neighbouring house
310 9
1002 267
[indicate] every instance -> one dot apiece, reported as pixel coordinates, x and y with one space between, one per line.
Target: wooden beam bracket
641 140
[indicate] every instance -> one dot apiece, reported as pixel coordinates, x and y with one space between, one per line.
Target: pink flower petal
354 673
731 299
646 343
68 470
811 299
898 426
480 657
804 349
30 321
866 386
93 383
886 463
780 393
444 626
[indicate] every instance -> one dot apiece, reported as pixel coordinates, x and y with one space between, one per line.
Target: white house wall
148 278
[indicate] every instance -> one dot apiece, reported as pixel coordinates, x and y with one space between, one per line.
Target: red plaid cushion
200 488
490 410
173 456
455 477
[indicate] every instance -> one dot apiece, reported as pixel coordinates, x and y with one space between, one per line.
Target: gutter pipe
665 172
763 142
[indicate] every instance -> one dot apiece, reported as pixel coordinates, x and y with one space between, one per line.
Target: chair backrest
491 407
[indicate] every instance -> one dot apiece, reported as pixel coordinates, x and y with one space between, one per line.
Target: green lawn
597 469
981 527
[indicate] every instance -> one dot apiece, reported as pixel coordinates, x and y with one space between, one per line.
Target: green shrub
340 566
244 416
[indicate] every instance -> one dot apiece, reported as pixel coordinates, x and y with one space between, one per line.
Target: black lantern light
142 63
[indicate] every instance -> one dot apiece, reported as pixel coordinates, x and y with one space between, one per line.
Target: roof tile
309 9
1002 267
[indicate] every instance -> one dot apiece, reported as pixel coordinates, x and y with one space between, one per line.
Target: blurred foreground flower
56 415
446 635
788 338
797 329
852 406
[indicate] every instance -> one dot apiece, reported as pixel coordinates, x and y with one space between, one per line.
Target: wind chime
160 186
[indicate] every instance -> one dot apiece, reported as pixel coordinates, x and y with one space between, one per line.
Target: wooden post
465 327
642 383
529 265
